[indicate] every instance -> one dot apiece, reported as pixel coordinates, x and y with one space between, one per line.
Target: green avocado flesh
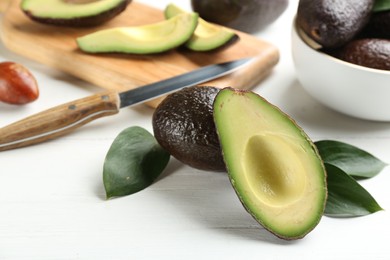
273 166
206 36
146 39
61 12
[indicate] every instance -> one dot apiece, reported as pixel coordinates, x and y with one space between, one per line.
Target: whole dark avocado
183 125
373 53
333 23
73 13
245 15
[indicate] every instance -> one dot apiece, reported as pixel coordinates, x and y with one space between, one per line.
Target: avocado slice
76 13
273 166
146 39
207 36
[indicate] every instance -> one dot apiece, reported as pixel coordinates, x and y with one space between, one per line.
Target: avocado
273 166
206 36
378 25
333 23
183 125
74 13
145 39
245 15
368 52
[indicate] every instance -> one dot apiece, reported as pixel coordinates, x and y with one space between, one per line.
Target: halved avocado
207 36
76 13
273 166
146 39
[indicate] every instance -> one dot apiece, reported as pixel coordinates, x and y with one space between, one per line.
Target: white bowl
350 89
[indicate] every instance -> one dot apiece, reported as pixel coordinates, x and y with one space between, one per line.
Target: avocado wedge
207 36
273 166
75 13
146 39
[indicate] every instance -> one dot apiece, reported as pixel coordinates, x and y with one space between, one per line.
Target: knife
62 119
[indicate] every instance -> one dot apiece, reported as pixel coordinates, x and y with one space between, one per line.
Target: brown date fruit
17 84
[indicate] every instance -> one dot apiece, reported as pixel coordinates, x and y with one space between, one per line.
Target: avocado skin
245 15
333 23
369 52
87 21
378 26
183 124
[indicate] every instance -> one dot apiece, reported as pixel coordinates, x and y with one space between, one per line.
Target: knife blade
62 119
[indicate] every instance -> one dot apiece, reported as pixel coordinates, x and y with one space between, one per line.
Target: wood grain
59 120
57 48
4 5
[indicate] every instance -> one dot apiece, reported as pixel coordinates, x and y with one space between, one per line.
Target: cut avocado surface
273 166
207 36
146 39
73 13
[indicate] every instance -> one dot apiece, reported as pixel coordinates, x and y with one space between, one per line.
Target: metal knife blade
65 118
191 78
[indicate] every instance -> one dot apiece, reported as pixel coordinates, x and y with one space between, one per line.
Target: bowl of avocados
340 60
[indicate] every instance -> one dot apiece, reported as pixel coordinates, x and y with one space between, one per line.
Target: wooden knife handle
4 5
59 120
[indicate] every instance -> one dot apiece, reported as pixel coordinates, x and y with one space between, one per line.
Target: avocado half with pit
145 39
76 13
273 166
207 36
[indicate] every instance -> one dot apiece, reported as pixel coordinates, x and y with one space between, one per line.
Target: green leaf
352 160
346 197
381 5
133 162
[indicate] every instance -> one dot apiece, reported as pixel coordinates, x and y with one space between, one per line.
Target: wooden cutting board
57 48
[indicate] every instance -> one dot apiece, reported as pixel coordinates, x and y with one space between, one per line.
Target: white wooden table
52 200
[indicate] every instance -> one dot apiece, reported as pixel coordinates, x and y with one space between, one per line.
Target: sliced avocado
73 12
207 36
273 166
146 39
